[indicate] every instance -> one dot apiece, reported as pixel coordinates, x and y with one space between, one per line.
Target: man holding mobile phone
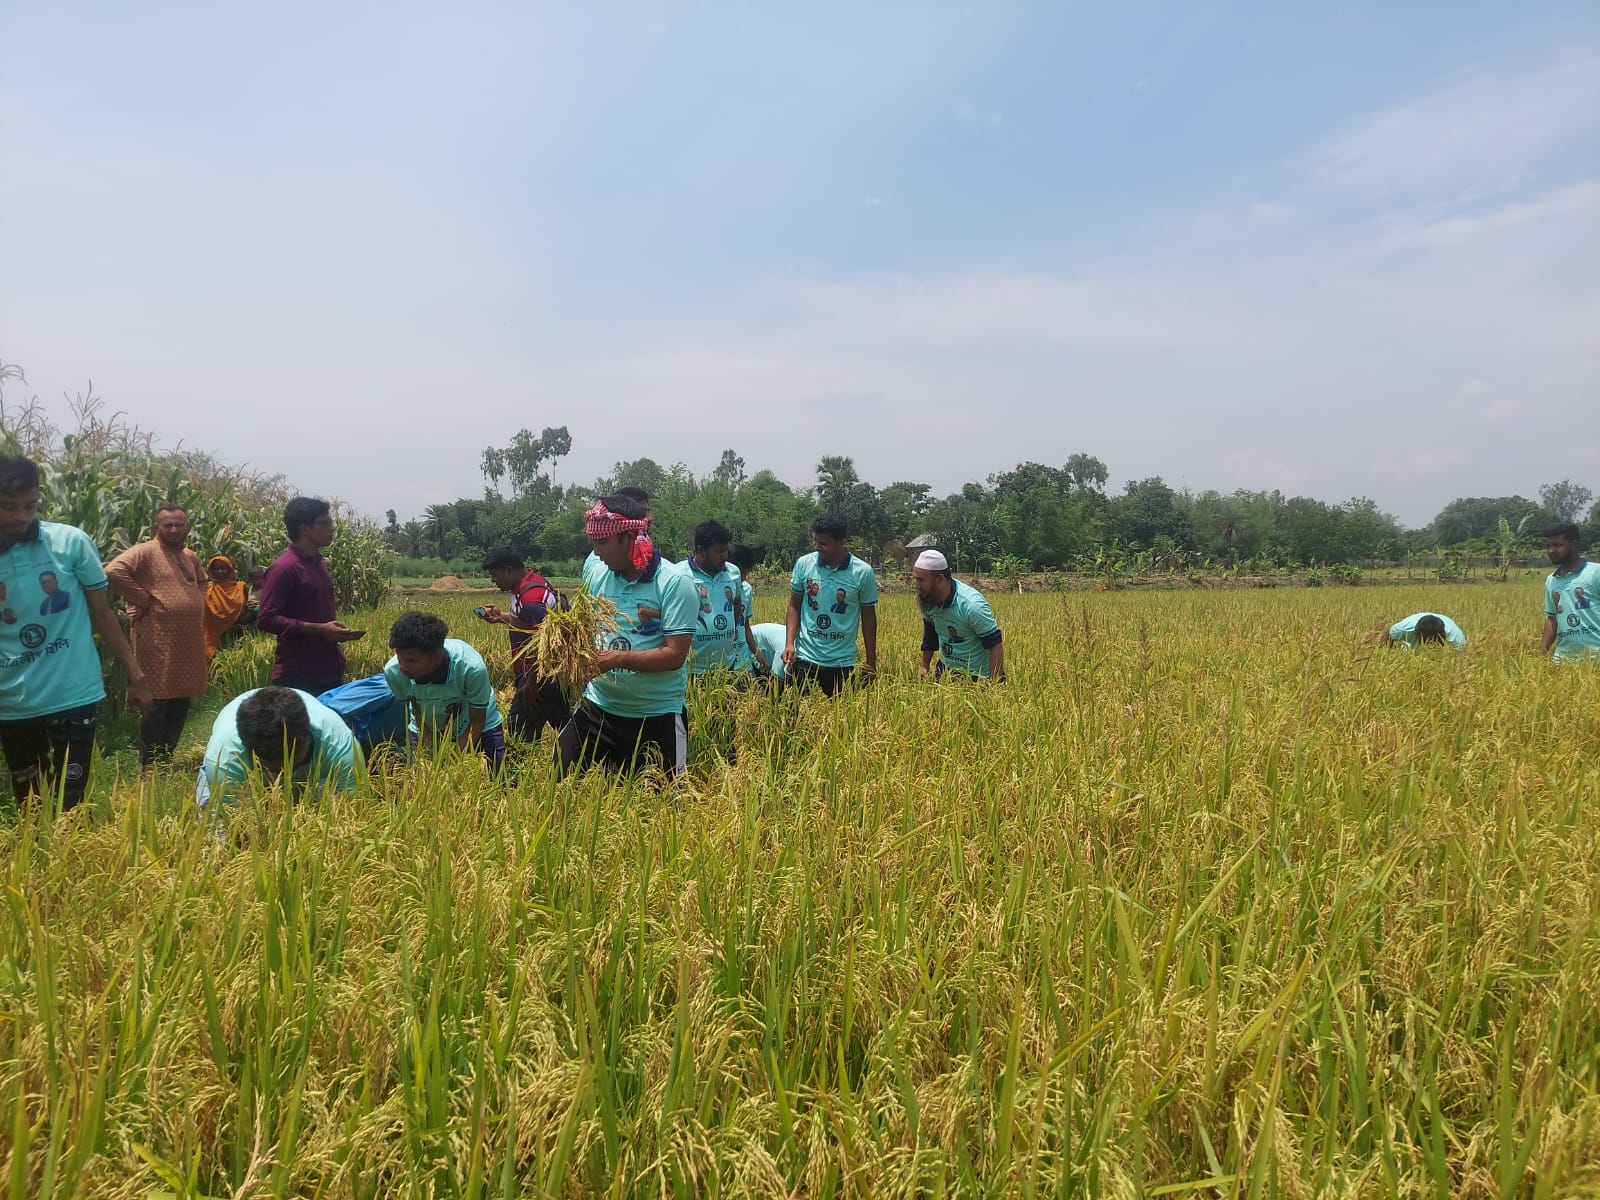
297 603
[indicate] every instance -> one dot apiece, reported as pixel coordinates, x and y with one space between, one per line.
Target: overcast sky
1339 250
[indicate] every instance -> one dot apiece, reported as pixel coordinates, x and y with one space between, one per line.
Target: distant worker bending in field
750 655
161 582
297 603
52 602
444 684
1424 629
1571 603
278 732
634 709
538 701
832 594
956 622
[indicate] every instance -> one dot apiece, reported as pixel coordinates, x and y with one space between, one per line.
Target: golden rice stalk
567 640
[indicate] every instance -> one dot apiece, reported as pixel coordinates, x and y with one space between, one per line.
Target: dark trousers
831 680
594 736
159 732
304 683
537 703
46 753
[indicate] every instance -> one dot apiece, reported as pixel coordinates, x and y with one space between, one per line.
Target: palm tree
436 523
836 475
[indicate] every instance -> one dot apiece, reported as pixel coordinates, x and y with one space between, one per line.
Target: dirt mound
449 583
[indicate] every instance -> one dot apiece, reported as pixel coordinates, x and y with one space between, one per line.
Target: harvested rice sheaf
567 640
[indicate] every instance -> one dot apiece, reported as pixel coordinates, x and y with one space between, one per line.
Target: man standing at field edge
1571 597
831 594
297 603
165 591
957 622
50 681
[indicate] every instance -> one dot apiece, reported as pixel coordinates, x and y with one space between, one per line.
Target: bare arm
668 657
869 635
1549 638
473 734
110 630
997 662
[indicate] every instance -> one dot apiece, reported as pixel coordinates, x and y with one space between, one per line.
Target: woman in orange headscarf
225 597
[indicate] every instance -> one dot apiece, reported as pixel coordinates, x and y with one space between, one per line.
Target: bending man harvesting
635 707
956 622
280 732
445 686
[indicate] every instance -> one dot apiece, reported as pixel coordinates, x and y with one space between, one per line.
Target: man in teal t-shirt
1424 629
444 684
52 602
956 622
832 594
721 629
634 709
1571 597
751 655
254 730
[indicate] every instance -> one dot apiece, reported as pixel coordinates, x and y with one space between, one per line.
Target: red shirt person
538 701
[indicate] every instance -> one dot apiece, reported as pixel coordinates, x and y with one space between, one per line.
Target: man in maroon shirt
297 603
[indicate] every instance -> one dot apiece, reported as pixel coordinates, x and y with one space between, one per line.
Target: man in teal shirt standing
634 709
52 602
722 625
266 728
832 594
1571 597
444 684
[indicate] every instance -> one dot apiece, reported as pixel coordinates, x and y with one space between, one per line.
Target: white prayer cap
932 560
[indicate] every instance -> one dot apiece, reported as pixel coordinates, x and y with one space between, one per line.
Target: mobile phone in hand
481 612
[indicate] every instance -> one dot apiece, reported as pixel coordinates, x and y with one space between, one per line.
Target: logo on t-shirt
33 636
619 643
721 622
824 621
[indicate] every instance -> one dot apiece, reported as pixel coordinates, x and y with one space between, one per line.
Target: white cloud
1485 128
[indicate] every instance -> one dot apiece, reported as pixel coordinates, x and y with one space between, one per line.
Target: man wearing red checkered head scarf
633 711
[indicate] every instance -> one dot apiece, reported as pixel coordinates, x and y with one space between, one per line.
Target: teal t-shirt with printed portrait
1573 600
963 629
443 701
717 631
661 603
48 660
831 600
743 660
1403 633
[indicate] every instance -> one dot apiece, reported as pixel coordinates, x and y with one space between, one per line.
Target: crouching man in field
1424 629
444 684
279 732
633 711
956 622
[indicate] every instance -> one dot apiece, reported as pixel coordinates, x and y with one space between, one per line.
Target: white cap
932 560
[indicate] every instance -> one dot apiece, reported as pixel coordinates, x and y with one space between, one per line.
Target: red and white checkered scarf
601 522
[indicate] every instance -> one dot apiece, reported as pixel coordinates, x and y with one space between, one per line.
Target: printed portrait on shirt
840 602
55 600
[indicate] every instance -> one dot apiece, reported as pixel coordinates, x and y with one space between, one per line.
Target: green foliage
107 477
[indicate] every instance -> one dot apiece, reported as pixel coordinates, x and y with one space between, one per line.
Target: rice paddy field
1212 898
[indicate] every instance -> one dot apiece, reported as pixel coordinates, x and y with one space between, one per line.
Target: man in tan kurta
166 593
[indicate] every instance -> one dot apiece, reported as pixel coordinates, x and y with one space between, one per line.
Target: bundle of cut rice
567 640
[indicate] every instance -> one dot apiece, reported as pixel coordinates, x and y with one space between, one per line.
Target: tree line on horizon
1032 517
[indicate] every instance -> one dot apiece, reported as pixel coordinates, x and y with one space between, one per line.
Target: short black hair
1430 629
637 494
418 631
1563 529
170 506
17 474
271 720
502 558
711 533
742 557
625 506
830 525
303 511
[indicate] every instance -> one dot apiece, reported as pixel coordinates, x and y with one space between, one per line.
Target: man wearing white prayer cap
957 623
